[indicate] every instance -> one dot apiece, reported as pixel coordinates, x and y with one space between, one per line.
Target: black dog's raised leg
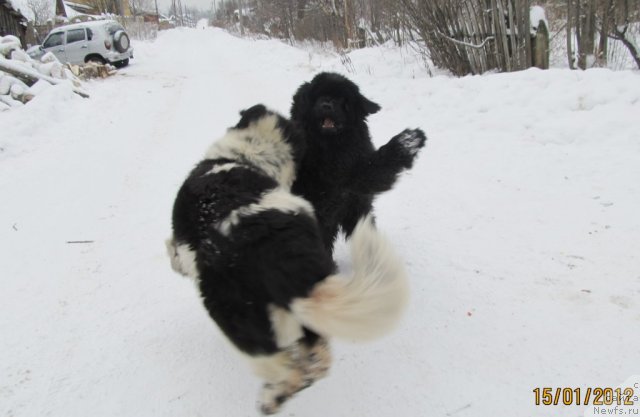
378 172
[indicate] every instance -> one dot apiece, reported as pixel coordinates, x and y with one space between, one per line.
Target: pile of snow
22 78
537 15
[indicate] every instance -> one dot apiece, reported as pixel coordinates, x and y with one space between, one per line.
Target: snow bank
18 71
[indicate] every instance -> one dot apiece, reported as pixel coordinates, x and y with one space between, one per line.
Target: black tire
95 58
121 41
121 64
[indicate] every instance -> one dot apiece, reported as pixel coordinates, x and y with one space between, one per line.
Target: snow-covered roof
89 24
11 4
77 6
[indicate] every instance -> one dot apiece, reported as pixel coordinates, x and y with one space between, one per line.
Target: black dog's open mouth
329 125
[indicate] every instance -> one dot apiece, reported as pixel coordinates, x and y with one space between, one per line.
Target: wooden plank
501 34
527 28
512 30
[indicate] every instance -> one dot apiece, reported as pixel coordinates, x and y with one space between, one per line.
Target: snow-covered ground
519 226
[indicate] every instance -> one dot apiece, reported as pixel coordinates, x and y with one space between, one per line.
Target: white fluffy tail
366 305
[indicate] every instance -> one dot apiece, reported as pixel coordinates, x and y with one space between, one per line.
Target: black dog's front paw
407 143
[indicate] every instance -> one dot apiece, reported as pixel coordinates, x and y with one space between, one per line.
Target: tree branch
470 45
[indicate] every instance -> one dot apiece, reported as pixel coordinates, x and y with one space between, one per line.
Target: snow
202 24
518 225
536 15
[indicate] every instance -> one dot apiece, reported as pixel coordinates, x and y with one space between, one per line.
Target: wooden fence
475 36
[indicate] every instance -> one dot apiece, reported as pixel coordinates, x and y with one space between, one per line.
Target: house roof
11 7
89 24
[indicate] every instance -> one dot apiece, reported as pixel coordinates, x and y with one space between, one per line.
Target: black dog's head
331 104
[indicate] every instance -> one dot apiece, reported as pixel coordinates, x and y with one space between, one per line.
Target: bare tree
141 6
581 27
601 20
618 26
42 10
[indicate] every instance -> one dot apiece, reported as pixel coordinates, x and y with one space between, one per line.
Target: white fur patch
271 368
183 259
285 326
262 145
277 199
222 168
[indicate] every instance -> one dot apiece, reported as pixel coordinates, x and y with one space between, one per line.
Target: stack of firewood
92 70
22 77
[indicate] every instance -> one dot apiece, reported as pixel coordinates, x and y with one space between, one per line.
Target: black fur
342 172
269 257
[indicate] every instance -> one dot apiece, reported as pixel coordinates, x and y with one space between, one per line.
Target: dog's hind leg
317 361
290 371
284 375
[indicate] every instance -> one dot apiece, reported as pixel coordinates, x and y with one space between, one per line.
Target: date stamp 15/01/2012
598 401
625 396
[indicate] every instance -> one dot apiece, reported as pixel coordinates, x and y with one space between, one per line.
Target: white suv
103 41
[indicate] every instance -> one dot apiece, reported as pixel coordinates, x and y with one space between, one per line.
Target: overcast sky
163 5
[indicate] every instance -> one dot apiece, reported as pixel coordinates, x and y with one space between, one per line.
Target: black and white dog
256 253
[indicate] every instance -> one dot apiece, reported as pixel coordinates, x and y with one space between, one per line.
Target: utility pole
179 15
240 18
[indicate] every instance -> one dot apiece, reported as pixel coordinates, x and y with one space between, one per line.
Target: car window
89 34
75 35
54 39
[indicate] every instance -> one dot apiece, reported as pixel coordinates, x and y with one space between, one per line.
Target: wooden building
12 22
93 7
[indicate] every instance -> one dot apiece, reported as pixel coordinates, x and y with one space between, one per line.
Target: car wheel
97 59
121 64
121 41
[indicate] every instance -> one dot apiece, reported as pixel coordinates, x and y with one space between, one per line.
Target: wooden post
540 47
240 17
528 53
570 14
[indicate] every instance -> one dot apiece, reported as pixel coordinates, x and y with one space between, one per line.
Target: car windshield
55 39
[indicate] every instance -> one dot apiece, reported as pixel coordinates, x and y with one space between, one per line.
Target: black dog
256 253
341 171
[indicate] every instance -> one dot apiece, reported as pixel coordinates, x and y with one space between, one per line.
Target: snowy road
518 225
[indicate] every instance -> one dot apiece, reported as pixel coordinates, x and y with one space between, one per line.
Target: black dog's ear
369 106
294 133
249 115
300 103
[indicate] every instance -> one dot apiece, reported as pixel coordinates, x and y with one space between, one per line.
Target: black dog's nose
326 105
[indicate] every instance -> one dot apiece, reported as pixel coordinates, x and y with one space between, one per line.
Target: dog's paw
272 397
406 145
412 140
